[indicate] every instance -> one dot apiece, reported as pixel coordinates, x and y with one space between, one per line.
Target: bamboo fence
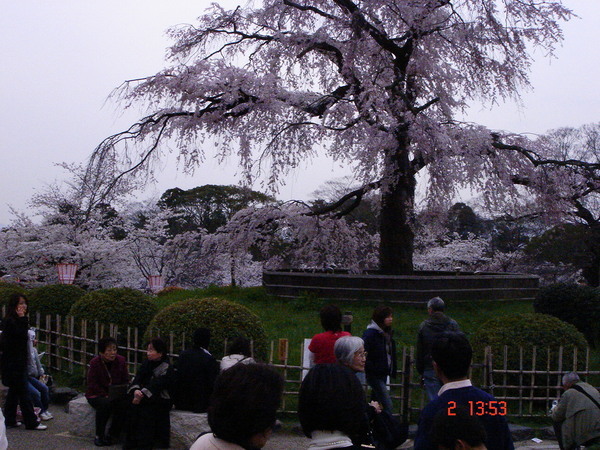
528 384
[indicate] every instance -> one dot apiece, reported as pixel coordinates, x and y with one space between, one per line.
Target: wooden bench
185 426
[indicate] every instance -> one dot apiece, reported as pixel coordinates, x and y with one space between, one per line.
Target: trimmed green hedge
166 291
575 304
124 307
526 330
225 320
54 299
8 289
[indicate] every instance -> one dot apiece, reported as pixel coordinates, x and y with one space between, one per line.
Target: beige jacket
580 417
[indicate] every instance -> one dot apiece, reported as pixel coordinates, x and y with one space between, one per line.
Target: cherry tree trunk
397 211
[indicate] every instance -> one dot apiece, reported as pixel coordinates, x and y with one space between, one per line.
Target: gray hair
345 348
436 304
570 379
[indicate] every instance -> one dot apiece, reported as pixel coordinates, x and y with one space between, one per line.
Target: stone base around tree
414 289
185 426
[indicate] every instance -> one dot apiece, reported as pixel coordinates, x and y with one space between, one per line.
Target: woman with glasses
350 352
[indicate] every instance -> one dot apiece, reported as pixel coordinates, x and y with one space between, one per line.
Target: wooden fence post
71 341
84 344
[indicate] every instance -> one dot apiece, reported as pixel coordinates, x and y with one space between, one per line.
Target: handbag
117 391
388 431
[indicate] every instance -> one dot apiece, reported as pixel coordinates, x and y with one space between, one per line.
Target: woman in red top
322 344
107 369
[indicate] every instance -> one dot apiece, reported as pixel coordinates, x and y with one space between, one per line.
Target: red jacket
322 346
99 377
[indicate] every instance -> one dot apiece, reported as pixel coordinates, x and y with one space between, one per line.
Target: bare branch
357 196
537 160
309 8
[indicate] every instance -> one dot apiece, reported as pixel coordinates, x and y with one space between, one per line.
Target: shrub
225 319
514 332
8 289
54 299
124 307
575 304
527 331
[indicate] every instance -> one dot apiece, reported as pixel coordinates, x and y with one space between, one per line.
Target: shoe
46 415
39 427
14 425
99 442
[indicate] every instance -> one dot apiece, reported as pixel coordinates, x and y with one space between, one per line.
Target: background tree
566 189
364 210
375 83
463 220
208 207
155 251
31 252
286 236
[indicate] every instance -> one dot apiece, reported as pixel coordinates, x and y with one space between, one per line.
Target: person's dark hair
331 318
201 338
447 429
452 352
381 313
331 398
104 342
240 346
244 402
13 301
159 345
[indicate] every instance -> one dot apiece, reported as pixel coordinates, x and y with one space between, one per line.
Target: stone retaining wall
185 426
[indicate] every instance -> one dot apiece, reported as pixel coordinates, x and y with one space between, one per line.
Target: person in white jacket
243 408
38 391
239 352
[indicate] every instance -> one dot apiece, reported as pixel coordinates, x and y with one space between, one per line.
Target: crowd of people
241 396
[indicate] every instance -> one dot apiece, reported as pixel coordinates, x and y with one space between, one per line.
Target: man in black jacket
429 330
195 373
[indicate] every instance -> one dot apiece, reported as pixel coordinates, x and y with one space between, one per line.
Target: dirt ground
58 437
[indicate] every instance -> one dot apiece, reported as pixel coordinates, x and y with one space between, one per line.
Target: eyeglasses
361 354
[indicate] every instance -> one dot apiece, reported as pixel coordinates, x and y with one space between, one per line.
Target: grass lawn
299 318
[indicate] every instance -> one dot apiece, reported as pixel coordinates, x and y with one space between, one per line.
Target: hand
137 397
377 406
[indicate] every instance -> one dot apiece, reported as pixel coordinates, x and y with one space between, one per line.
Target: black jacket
377 354
154 379
429 330
15 353
194 376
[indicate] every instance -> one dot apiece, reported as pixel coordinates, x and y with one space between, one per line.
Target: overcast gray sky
60 59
